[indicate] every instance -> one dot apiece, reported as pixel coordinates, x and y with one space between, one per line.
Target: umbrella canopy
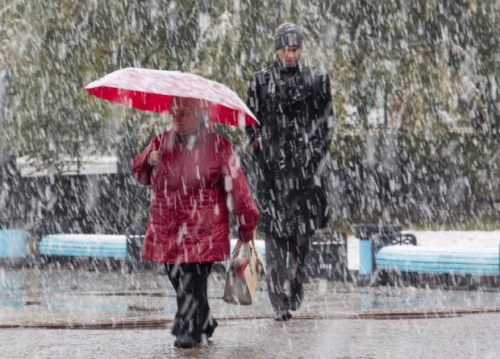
153 90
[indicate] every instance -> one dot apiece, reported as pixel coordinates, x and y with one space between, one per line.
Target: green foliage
65 46
427 70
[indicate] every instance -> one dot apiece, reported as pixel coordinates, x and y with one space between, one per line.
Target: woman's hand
155 157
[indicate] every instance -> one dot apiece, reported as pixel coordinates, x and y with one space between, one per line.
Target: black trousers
278 271
193 315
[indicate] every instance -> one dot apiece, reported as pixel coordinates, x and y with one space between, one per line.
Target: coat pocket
206 220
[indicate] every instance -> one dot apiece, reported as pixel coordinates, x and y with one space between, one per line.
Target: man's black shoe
282 315
296 294
209 330
185 341
294 304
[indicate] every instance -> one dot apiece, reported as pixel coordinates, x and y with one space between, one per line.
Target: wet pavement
462 337
473 336
66 311
52 296
129 315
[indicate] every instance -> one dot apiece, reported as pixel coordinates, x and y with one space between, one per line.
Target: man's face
289 55
186 118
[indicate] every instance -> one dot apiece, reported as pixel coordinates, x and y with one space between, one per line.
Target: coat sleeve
253 132
321 138
141 169
238 195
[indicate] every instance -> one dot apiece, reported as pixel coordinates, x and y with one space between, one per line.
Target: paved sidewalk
123 316
471 336
53 297
130 316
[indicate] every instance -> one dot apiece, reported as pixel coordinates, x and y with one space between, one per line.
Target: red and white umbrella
153 90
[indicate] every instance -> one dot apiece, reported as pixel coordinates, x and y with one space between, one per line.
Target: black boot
296 294
282 315
209 327
185 341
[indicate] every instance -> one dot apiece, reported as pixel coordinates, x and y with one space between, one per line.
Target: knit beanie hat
287 34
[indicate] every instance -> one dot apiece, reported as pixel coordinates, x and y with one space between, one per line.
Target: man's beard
288 69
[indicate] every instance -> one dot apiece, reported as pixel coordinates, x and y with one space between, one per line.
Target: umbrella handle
160 147
161 140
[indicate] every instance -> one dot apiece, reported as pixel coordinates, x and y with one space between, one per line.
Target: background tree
414 83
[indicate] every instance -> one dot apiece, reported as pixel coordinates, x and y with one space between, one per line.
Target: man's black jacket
290 145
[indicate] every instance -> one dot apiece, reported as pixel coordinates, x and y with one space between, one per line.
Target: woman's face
186 118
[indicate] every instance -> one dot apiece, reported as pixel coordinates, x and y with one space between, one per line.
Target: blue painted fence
457 261
13 243
84 245
384 249
98 245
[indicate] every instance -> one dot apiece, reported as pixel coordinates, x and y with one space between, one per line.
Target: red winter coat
198 179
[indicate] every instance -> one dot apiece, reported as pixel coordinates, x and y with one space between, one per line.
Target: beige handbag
241 290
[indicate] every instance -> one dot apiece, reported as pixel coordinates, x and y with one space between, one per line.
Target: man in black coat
293 104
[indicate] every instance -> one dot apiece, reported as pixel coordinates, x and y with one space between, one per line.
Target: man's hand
155 157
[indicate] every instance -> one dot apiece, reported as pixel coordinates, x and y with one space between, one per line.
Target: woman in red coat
195 179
